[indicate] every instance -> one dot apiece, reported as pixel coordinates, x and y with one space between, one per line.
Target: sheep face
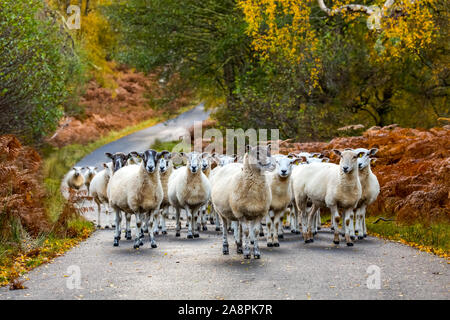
164 162
223 160
206 161
349 160
364 159
194 161
149 158
285 166
314 160
119 160
260 157
91 171
77 171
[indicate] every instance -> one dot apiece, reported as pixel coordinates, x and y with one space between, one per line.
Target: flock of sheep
242 193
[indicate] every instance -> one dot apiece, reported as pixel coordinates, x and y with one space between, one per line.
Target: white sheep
370 189
89 175
165 170
189 189
137 189
241 192
202 217
281 188
74 179
328 185
98 190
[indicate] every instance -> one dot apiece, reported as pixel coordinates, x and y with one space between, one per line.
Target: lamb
280 185
165 170
328 185
98 190
137 189
370 189
89 175
189 189
241 192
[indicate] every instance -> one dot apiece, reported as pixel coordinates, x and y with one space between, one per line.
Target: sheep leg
277 223
335 218
319 220
225 247
178 227
246 231
364 221
348 226
237 237
190 220
139 232
253 226
118 225
152 220
99 210
268 231
296 224
164 215
204 218
311 214
216 217
196 217
128 227
110 216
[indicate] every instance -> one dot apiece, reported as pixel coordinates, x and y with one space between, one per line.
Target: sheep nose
360 165
346 169
283 172
194 168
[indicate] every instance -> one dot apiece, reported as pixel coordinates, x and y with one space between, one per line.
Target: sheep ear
316 155
109 155
205 154
325 159
269 149
337 152
134 154
105 165
373 151
162 154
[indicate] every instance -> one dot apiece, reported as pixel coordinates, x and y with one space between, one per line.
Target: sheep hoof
247 256
116 241
280 236
349 244
257 256
164 232
307 241
336 242
276 244
352 237
360 237
297 232
154 245
239 250
365 235
196 235
177 234
319 228
217 228
311 240
106 227
128 235
190 236
356 231
156 232
145 230
99 226
136 246
314 233
261 234
332 228
205 228
270 244
293 231
225 250
113 226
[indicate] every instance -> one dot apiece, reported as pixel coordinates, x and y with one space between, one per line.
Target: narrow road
182 268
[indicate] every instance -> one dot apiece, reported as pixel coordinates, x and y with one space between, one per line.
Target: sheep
89 175
189 189
137 189
98 190
328 185
370 189
206 168
281 188
165 170
74 179
119 160
241 192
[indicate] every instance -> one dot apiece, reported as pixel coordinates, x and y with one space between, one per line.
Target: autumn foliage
21 192
413 168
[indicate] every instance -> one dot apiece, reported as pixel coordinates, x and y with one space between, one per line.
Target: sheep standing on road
189 189
202 217
328 185
370 189
242 193
137 189
281 188
89 175
165 170
98 190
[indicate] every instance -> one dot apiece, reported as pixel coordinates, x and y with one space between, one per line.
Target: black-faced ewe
241 192
98 190
328 185
189 189
282 196
370 189
137 189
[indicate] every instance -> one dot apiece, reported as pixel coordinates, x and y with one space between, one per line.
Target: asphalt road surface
182 268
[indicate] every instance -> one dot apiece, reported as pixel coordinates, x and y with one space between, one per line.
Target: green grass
160 146
434 237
